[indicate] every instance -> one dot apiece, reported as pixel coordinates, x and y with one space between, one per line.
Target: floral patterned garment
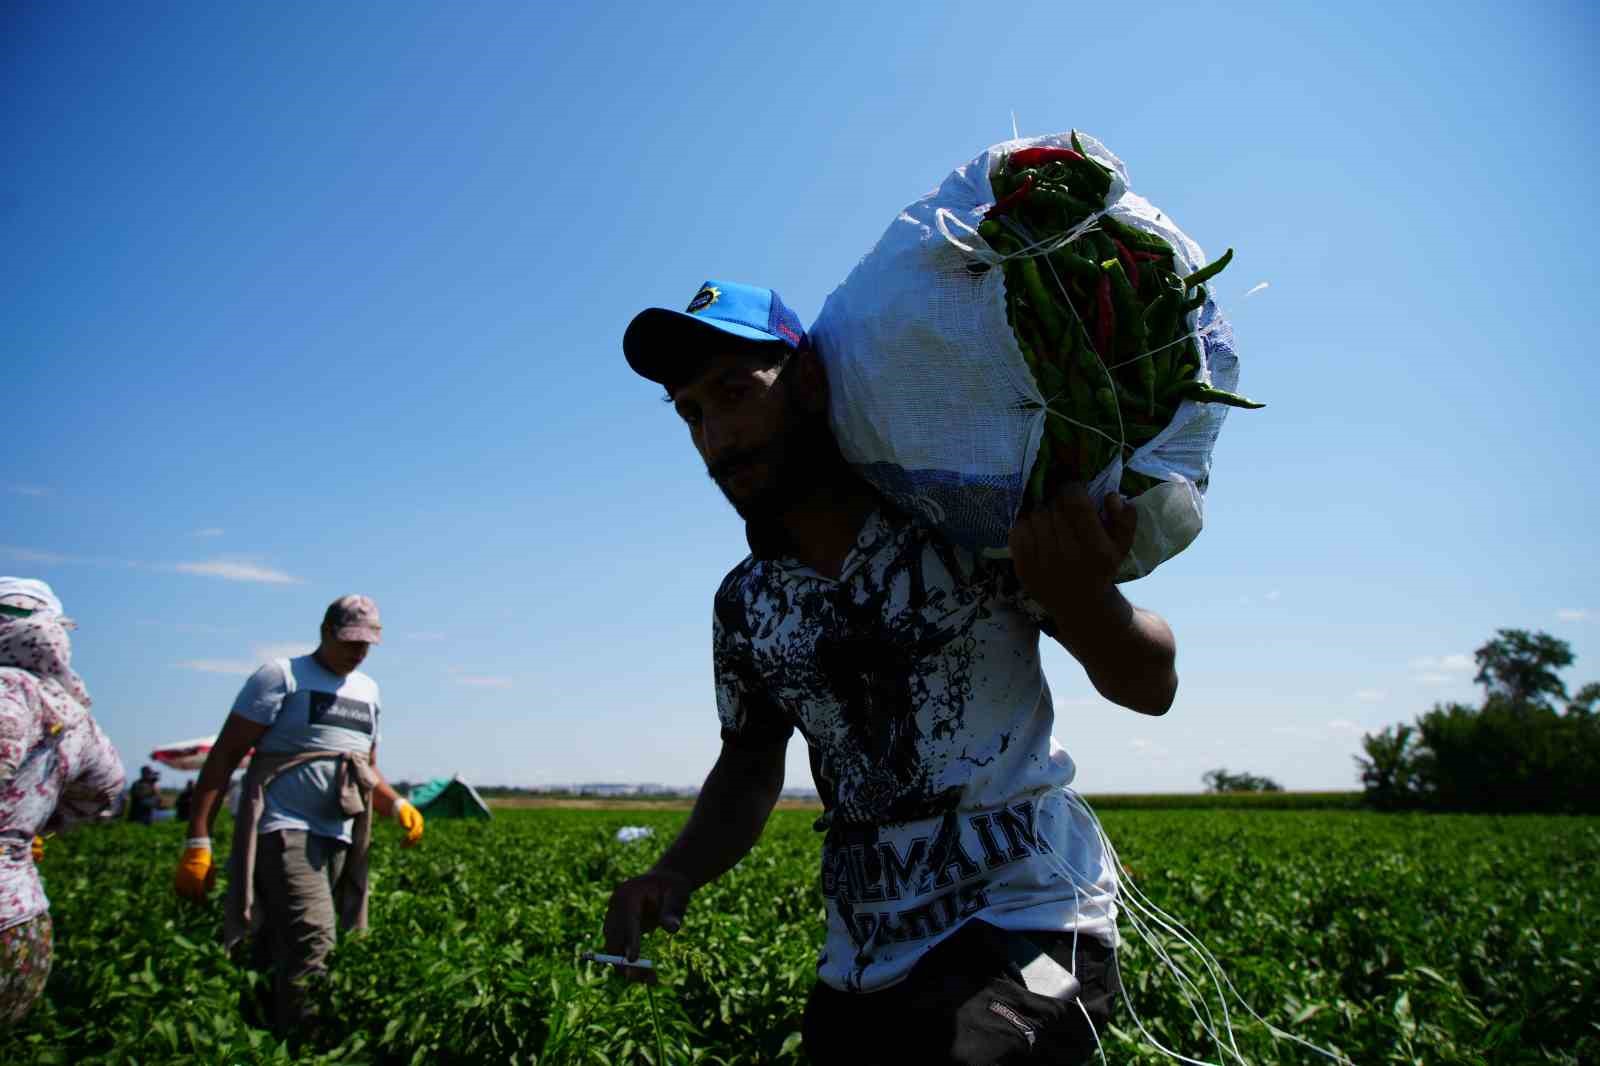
24 967
56 766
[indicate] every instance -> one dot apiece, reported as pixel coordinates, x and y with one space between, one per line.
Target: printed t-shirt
307 707
915 680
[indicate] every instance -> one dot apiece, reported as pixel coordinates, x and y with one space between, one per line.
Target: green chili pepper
1077 266
1158 322
1195 302
1107 399
1209 271
1135 239
1130 322
1136 484
1200 392
1041 464
1053 380
1069 209
1060 430
1100 176
1039 298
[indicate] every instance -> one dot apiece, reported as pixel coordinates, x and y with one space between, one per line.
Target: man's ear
812 380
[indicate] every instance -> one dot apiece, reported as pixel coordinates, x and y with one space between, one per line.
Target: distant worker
185 802
144 798
56 769
298 870
971 905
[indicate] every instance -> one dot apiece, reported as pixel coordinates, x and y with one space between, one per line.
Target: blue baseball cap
664 345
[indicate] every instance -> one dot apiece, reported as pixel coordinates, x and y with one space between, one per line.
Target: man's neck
822 526
322 662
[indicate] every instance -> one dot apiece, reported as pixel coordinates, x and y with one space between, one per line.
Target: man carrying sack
298 869
970 900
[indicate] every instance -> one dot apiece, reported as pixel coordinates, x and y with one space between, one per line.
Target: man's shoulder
269 675
735 586
362 682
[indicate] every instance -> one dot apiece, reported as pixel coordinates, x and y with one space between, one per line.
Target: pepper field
1394 939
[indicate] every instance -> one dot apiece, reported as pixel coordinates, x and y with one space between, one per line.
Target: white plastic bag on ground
932 402
629 833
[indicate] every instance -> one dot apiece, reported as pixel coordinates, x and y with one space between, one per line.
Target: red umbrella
190 754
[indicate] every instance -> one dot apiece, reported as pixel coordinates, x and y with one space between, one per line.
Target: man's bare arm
1067 557
727 820
384 797
1129 654
239 734
729 814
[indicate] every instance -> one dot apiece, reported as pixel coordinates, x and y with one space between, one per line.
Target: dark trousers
964 1004
295 875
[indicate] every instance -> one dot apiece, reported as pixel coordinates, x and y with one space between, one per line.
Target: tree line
1529 746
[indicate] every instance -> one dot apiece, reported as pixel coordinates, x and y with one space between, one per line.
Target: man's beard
801 459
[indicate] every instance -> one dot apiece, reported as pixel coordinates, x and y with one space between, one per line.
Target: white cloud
28 555
1372 695
235 667
1272 597
1441 669
29 490
1139 743
287 649
424 635
209 531
235 571
485 682
1573 614
1339 727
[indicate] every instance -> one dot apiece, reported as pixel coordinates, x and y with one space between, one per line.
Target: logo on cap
704 299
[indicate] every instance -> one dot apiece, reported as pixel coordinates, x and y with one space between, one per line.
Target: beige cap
354 618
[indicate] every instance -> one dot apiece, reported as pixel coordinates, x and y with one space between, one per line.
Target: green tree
1389 771
1520 667
1584 704
1517 752
1220 780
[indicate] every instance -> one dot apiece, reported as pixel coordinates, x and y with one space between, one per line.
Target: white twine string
1145 917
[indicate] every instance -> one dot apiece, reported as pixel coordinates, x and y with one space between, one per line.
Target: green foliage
1221 780
1519 668
1515 753
1446 939
1231 801
1389 772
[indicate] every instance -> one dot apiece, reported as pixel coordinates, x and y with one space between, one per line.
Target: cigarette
617 960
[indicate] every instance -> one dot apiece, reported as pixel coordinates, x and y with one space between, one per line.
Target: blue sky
304 300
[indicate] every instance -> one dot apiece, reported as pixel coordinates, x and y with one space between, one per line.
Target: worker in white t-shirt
297 872
970 902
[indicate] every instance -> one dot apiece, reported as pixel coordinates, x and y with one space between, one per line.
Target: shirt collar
878 528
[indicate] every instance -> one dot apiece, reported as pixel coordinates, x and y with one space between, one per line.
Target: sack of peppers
1033 322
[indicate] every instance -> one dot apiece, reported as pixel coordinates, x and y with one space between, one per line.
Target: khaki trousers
295 875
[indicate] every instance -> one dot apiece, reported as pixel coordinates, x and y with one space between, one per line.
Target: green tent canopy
448 798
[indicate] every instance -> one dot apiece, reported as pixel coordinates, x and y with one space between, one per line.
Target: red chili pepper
1016 196
1105 318
1023 158
1128 262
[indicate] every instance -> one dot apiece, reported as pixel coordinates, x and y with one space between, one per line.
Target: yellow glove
38 850
410 820
196 874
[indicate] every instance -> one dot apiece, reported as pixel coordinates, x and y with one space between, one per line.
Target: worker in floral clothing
56 768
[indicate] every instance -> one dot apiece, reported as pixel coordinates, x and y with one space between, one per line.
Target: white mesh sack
932 402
